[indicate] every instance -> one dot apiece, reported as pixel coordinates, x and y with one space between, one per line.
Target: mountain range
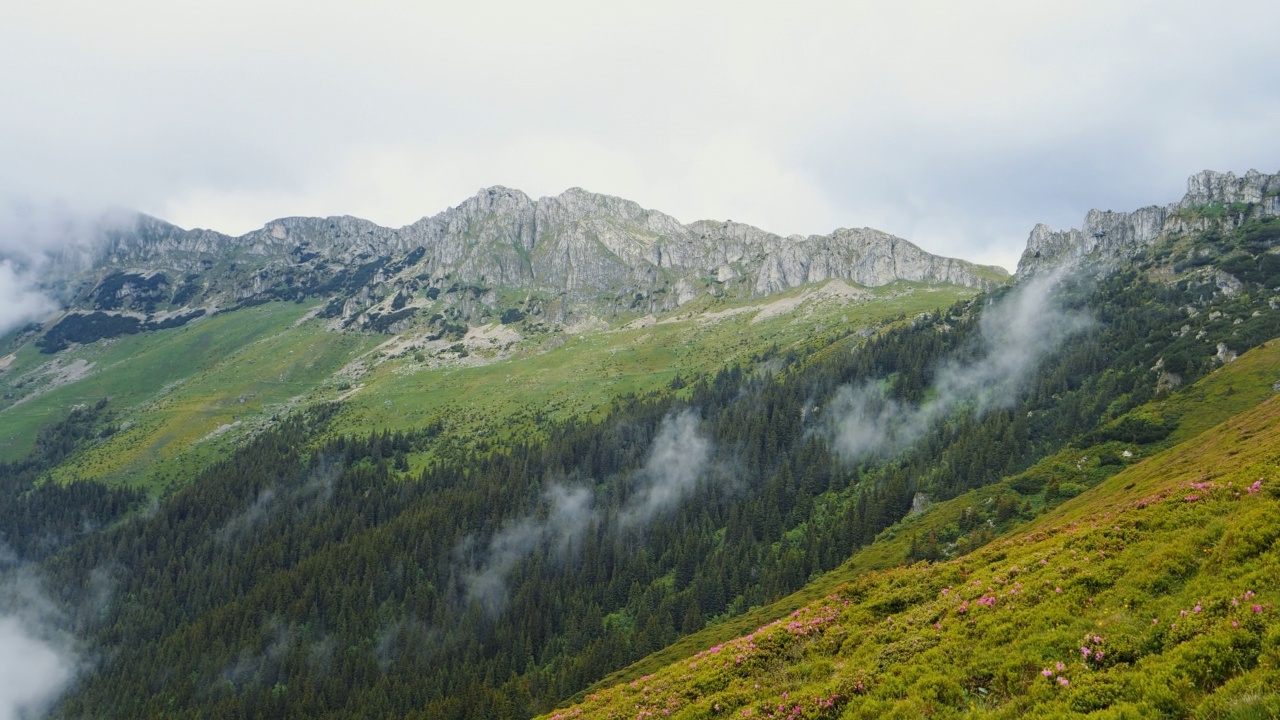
576 250
571 457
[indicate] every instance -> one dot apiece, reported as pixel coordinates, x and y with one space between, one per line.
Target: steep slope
186 395
1213 200
378 551
386 573
1151 594
955 527
499 278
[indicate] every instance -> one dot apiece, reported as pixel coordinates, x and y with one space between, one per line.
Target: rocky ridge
1213 199
578 253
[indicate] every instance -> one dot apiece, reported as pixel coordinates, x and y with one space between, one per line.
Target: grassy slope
581 376
176 388
182 381
237 386
1129 556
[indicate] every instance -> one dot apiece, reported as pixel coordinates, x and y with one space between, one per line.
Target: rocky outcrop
1212 198
577 248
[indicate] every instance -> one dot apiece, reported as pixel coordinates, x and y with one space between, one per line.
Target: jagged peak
580 192
1117 235
1210 186
590 247
583 200
500 191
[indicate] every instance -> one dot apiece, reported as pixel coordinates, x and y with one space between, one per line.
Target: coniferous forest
312 575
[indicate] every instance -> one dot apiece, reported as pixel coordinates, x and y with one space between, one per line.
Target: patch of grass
173 388
585 371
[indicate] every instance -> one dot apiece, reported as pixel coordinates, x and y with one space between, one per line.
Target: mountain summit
578 249
1113 236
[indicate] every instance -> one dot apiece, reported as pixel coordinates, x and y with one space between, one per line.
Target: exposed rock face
1212 198
573 249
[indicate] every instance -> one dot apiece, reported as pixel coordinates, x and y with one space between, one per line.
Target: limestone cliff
1212 199
575 250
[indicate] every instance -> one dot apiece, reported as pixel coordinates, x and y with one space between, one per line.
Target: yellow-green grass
187 395
1243 383
132 368
1129 557
174 388
581 377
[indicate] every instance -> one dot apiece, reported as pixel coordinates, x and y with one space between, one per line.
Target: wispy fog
1016 333
678 458
20 301
38 657
316 488
569 512
37 244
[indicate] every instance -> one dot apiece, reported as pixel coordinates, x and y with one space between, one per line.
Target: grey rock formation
574 250
1212 198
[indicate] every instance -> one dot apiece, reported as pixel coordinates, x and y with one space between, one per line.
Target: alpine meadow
570 458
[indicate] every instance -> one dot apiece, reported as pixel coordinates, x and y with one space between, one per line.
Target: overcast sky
955 125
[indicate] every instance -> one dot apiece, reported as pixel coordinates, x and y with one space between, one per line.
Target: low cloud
678 458
1016 333
20 300
316 489
38 245
569 512
260 669
256 513
38 657
33 673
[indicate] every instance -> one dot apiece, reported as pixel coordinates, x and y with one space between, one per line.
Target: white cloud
31 235
1017 332
955 125
20 302
37 656
676 461
32 672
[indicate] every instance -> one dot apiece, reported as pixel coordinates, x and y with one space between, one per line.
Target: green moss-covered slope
1152 594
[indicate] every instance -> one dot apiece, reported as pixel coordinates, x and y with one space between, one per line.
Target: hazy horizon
957 128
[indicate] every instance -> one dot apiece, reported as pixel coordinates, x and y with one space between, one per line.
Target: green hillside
185 396
317 523
1152 594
